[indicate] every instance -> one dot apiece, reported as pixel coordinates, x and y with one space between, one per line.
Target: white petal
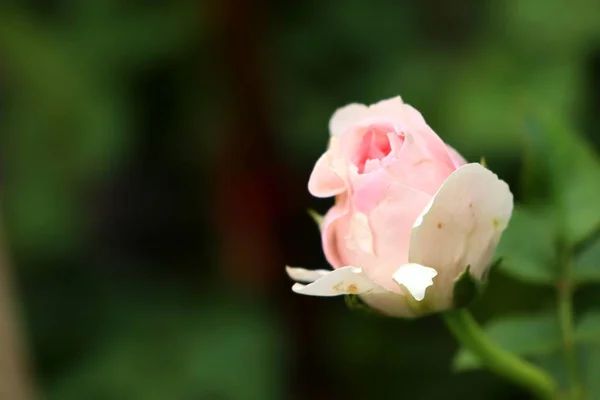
352 280
463 223
305 275
345 280
415 278
389 108
419 219
346 117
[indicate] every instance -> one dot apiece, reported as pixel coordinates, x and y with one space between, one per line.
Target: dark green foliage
466 289
553 243
119 125
355 303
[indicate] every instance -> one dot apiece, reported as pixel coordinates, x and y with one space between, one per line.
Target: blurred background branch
16 381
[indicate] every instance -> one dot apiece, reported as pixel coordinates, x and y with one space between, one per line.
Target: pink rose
410 214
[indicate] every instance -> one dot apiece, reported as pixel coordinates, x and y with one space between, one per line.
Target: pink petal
330 229
324 180
370 189
414 166
347 117
425 137
390 221
407 118
390 108
455 156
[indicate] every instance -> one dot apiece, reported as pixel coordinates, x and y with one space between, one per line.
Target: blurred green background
154 157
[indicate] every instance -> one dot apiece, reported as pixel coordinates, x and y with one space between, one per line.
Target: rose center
374 145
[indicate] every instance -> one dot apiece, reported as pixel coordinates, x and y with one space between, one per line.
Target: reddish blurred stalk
250 196
15 380
254 193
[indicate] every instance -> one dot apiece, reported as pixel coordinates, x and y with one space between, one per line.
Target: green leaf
545 16
590 365
483 162
524 335
466 289
554 364
172 352
318 218
527 246
586 264
492 267
574 172
588 328
587 336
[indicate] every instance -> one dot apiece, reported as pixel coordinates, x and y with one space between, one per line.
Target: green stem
498 360
567 327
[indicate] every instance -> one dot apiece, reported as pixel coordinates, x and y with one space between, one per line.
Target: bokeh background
154 157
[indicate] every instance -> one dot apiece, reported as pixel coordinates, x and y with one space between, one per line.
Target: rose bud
410 217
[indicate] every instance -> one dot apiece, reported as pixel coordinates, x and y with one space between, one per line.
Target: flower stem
498 360
566 323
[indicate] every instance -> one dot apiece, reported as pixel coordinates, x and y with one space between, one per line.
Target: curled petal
305 275
346 117
392 109
325 179
409 120
352 280
353 114
462 225
345 280
414 166
415 278
404 117
426 137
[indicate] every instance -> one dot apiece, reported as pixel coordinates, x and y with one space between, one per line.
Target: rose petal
415 278
462 224
305 275
352 280
455 156
325 179
392 109
329 230
346 117
408 119
370 189
360 233
391 217
425 136
345 280
415 167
